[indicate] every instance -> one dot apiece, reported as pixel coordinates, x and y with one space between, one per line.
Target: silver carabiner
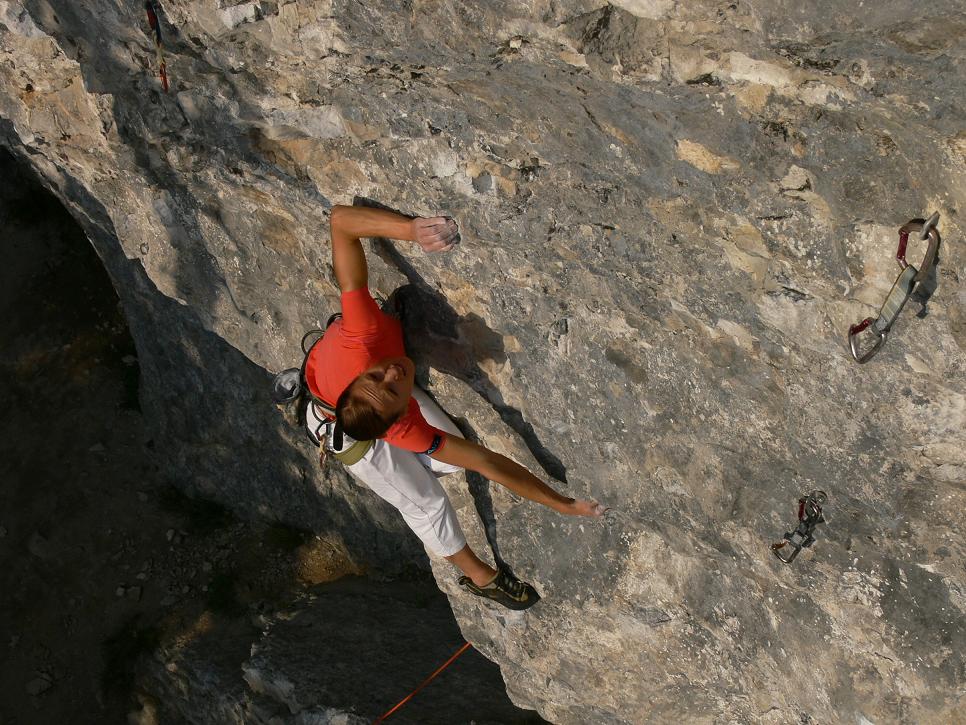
927 233
928 226
854 331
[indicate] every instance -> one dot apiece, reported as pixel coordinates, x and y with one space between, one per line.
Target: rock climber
360 364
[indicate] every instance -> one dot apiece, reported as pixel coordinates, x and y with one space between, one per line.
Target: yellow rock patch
704 159
753 97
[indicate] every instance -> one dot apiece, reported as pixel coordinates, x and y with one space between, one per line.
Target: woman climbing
386 431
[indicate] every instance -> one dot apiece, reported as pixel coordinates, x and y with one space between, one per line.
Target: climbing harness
156 27
292 394
451 660
809 516
903 288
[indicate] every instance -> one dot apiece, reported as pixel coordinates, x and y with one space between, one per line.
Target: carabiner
902 288
809 516
776 548
927 231
854 331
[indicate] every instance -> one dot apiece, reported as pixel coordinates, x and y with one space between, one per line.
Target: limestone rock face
671 213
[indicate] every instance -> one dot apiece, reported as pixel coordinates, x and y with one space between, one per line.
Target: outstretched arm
499 468
350 223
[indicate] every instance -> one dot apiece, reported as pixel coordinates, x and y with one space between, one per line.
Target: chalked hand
580 507
436 234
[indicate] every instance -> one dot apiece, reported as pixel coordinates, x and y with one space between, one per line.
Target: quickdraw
809 516
156 27
903 288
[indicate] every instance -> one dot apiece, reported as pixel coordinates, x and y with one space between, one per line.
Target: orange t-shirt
362 337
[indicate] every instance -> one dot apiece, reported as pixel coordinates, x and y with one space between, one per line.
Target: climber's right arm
507 472
348 224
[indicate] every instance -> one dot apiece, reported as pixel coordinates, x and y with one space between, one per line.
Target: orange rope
426 682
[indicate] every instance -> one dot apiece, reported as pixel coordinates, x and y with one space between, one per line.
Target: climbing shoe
506 589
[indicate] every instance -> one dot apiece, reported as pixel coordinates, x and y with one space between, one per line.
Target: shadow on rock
439 337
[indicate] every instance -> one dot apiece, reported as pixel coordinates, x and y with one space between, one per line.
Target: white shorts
407 480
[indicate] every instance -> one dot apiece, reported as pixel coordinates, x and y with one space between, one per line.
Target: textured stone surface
671 214
332 658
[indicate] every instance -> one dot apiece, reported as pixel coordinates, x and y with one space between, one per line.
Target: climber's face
387 385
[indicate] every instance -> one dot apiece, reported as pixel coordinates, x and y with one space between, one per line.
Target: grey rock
38 686
795 180
646 303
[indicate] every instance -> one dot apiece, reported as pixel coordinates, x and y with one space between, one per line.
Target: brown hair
358 417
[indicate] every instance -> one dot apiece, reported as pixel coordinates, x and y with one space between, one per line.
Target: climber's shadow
438 337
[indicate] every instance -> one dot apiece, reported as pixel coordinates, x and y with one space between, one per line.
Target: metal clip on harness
809 516
902 290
